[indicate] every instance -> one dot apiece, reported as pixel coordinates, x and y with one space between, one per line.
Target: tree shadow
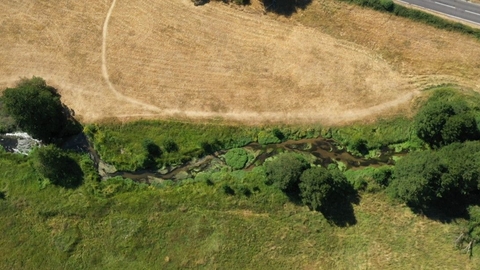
285 7
449 209
340 212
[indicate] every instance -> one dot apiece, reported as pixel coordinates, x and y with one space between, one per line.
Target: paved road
457 9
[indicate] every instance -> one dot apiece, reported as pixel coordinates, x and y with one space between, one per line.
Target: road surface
456 9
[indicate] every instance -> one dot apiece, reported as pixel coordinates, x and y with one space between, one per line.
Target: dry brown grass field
331 63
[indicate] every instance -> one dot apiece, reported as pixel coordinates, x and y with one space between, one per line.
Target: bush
228 190
266 137
55 165
382 176
387 4
285 171
236 158
170 146
323 189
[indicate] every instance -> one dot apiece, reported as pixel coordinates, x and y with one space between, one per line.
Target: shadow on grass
340 211
285 7
449 209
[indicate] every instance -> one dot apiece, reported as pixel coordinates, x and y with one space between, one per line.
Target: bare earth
331 63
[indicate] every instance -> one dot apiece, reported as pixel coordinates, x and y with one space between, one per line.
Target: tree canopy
36 108
449 176
285 171
442 122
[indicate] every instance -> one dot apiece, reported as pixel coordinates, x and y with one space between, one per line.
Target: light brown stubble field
332 63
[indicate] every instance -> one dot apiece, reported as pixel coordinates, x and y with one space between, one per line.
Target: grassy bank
417 15
123 145
118 224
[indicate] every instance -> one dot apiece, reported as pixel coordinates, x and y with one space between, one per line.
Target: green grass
194 224
399 133
121 144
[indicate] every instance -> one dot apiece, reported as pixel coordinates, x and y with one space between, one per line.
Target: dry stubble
218 61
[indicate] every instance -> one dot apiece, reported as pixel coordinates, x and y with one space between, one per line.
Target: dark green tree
316 185
447 177
55 165
285 171
36 108
430 120
320 186
442 122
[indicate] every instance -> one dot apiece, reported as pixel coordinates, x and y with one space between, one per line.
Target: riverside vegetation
285 213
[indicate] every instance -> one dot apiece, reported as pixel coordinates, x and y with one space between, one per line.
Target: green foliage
153 152
387 4
121 144
93 227
316 187
285 171
268 137
370 179
441 122
57 166
36 108
383 175
474 222
228 190
236 158
445 177
7 123
170 146
360 139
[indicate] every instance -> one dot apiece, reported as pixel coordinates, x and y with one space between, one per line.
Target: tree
429 122
448 177
36 108
316 185
320 187
55 165
441 122
285 171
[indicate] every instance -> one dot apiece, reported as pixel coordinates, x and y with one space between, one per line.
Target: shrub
319 186
382 176
152 149
55 165
285 171
266 137
228 190
236 158
170 146
387 4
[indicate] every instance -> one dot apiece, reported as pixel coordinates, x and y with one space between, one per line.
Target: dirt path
163 59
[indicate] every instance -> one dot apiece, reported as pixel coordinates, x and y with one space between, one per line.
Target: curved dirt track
144 58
